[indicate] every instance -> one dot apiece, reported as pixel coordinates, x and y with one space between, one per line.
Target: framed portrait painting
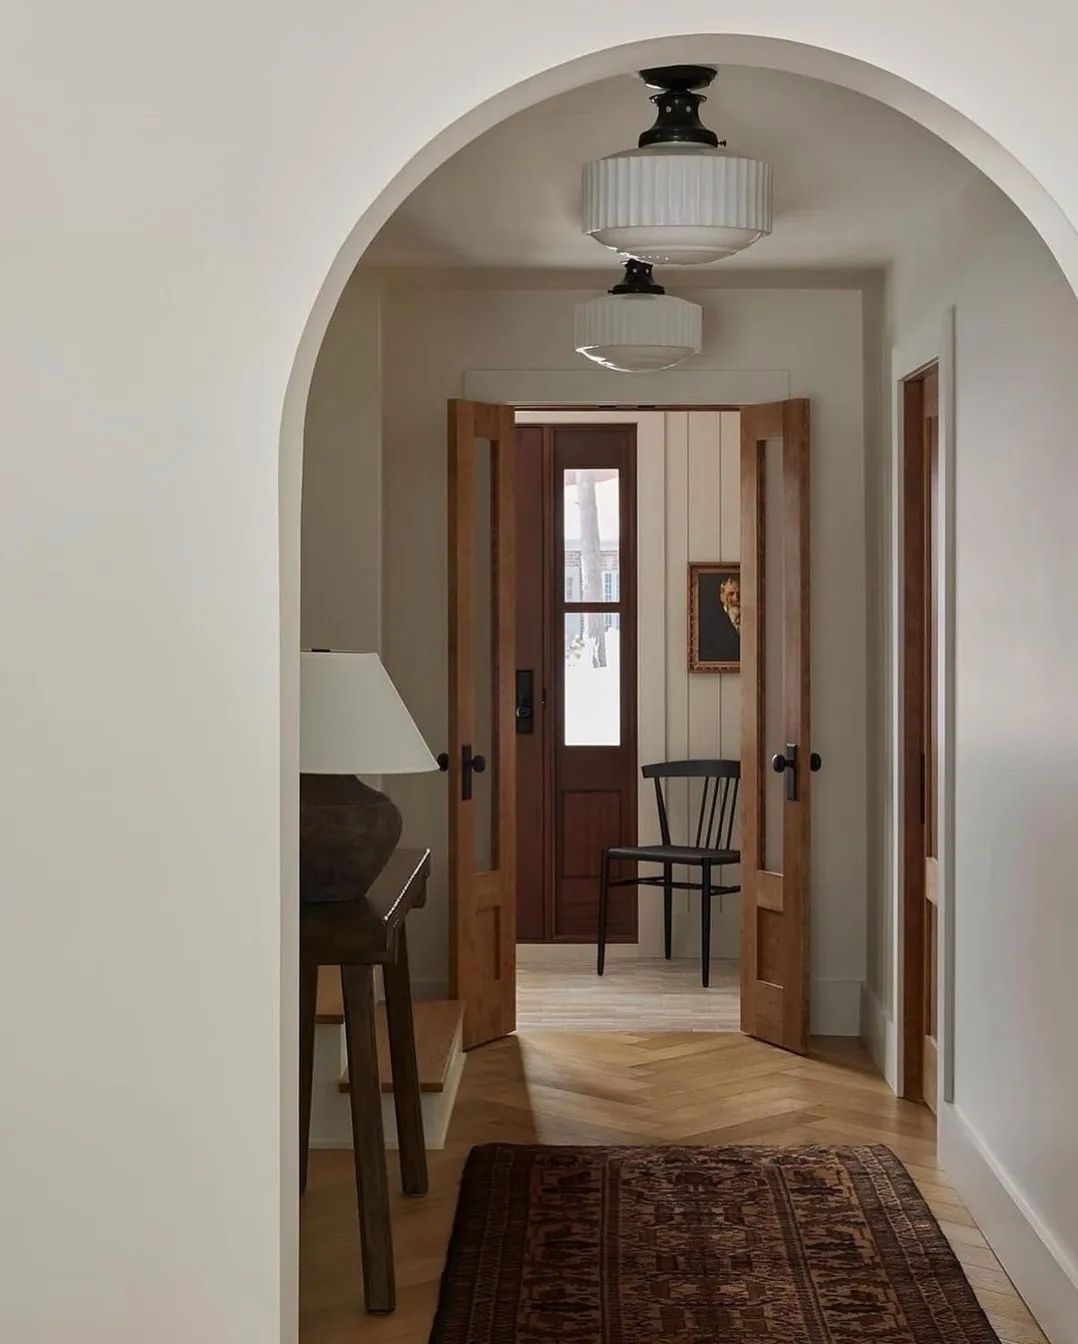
715 617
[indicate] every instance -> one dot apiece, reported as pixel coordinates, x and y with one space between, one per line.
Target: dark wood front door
575 674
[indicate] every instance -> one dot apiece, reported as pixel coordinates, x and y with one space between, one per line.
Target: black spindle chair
711 849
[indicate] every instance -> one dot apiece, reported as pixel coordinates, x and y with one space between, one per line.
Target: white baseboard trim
430 989
835 1007
880 1035
1040 1268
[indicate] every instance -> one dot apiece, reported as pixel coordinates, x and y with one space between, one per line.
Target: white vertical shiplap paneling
703 713
651 643
701 525
726 927
677 621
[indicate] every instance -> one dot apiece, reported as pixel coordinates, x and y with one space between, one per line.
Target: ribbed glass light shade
638 333
681 205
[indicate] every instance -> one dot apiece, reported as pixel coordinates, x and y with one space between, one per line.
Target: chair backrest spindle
721 780
664 822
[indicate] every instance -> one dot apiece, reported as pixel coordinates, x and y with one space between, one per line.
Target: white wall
177 185
809 341
1010 1135
341 596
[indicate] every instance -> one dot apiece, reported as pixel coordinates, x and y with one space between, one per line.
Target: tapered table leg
368 1139
308 1005
406 1095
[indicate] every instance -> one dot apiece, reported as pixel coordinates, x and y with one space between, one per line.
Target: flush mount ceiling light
638 327
680 198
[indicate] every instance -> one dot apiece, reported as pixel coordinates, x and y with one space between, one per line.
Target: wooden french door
776 757
920 605
480 759
576 675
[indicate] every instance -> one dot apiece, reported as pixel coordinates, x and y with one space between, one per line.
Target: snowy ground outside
592 694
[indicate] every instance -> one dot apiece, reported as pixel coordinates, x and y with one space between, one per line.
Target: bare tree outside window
591 563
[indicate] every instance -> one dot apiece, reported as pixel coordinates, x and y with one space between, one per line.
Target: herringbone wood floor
572 1087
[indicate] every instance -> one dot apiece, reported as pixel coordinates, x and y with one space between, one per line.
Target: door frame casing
919 754
935 344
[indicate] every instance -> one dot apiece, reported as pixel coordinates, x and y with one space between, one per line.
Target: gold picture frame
715 616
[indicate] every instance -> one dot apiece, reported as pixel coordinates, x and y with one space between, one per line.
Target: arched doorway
1003 170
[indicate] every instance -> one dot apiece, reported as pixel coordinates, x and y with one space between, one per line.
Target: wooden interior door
920 605
481 755
776 758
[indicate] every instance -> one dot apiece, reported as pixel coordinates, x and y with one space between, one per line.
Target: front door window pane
592 679
591 501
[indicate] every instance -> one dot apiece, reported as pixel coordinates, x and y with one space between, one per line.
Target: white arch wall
176 184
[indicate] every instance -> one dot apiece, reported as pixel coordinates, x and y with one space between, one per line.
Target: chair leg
668 909
705 928
400 1027
604 898
368 1139
308 1005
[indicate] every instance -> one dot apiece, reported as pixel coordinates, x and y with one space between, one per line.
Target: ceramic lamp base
347 831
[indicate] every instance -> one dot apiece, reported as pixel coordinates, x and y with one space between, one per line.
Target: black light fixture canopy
637 279
677 100
679 197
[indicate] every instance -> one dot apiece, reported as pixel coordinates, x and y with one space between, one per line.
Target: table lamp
352 721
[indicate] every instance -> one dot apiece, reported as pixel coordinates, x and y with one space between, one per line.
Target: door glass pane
483 744
774 739
592 534
592 679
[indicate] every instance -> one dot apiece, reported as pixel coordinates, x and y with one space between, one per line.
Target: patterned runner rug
736 1245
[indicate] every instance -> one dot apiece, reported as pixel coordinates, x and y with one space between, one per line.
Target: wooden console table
357 936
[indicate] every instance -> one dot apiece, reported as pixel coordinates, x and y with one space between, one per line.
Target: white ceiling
849 173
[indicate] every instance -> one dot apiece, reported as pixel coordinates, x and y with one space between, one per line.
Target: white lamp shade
353 721
681 205
638 333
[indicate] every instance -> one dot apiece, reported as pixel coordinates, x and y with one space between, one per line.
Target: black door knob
786 763
479 764
815 761
443 760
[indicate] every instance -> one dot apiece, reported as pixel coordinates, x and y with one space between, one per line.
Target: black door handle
525 700
469 765
787 763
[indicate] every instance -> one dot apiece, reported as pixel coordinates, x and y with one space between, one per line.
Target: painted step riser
331 1124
